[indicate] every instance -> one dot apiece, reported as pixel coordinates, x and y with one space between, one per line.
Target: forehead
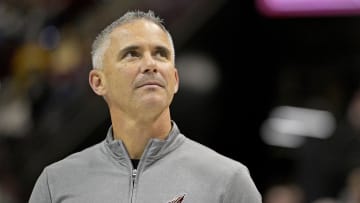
140 31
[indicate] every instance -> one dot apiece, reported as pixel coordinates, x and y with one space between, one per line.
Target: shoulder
235 178
208 157
78 160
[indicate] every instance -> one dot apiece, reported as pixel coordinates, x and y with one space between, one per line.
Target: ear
176 87
97 81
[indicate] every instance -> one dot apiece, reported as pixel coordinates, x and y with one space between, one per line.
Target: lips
149 83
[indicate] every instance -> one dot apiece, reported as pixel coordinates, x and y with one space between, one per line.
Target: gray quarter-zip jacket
174 170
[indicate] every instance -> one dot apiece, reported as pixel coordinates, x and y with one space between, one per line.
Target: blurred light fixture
15 118
288 126
198 72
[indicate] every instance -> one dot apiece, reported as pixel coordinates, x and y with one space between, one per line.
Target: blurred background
273 84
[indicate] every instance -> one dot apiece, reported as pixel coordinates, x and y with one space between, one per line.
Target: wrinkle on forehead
140 28
140 32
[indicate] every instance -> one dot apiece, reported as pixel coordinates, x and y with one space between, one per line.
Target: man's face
138 67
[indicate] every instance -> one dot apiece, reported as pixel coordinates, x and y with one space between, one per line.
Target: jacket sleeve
41 190
241 188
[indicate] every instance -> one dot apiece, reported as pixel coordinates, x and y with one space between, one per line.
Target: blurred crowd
291 192
43 63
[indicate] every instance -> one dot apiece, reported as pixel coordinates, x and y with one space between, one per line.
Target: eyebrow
135 47
127 49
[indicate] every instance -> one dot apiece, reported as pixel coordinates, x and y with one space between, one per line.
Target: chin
154 100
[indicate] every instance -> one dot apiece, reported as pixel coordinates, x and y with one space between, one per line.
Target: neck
136 133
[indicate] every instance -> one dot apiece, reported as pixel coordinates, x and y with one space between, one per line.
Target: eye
161 53
131 54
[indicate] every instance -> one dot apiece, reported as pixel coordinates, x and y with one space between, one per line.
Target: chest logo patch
178 199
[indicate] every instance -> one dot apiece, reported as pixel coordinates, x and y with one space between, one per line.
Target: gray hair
102 41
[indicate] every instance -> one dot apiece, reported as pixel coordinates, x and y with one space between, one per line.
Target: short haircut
102 41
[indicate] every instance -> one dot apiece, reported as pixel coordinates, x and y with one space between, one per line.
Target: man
144 158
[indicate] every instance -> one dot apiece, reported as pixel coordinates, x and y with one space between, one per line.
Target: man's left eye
161 53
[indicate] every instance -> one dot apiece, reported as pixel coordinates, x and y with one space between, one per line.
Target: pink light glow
308 7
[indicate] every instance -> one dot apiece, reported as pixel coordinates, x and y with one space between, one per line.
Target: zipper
133 175
135 172
133 186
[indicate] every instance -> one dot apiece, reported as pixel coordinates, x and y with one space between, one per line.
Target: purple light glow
308 7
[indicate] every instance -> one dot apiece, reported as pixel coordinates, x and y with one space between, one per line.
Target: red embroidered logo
178 199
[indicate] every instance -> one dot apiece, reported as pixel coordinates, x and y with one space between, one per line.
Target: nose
149 64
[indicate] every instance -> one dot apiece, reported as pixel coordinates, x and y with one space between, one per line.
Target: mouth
150 84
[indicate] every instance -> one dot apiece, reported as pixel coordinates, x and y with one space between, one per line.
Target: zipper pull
134 172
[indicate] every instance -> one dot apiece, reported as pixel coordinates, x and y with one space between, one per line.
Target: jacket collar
155 149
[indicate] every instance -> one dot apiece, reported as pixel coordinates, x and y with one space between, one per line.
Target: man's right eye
131 54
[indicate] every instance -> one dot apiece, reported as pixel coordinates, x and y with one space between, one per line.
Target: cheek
115 80
119 80
172 82
123 73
